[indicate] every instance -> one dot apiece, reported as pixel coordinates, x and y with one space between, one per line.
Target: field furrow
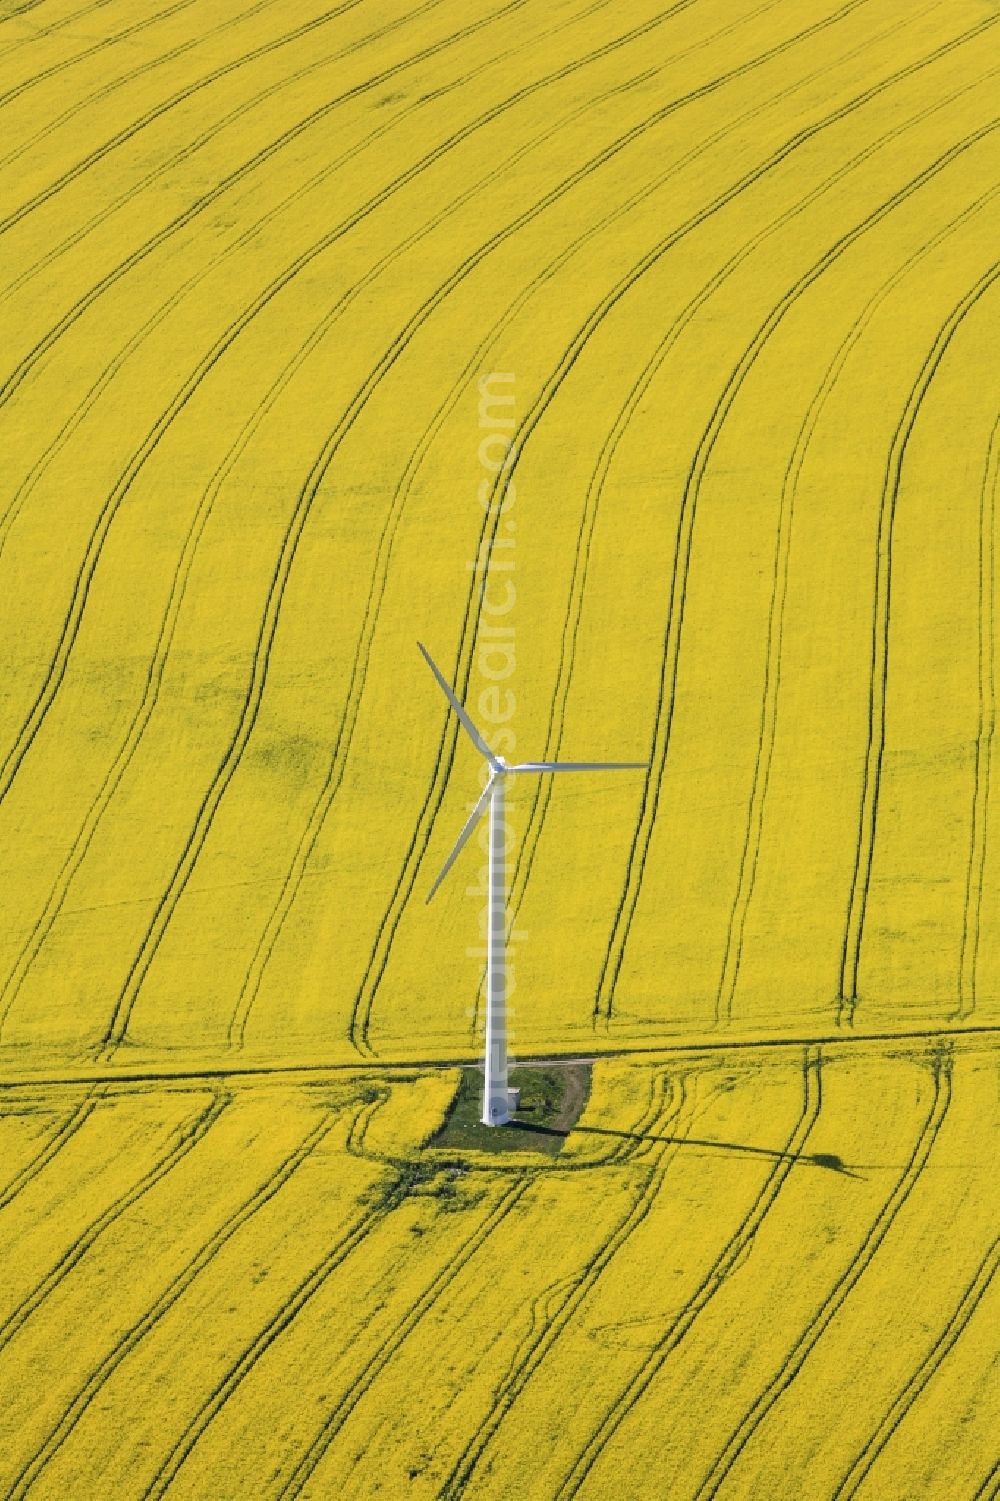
639 360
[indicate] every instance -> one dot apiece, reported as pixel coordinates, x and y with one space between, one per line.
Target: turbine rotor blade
462 839
580 766
467 724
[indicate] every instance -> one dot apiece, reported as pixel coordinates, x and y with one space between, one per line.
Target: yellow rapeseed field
641 359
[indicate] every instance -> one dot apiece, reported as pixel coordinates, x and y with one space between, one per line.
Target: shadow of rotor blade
828 1160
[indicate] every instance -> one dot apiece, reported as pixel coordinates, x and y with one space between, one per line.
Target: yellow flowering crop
640 358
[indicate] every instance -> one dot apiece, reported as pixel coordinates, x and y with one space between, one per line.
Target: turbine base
499 1110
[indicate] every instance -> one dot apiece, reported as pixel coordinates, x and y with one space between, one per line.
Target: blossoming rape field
641 360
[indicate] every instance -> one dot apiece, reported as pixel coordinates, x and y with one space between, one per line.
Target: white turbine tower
496 1095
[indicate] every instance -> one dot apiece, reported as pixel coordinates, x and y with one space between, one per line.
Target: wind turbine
496 1095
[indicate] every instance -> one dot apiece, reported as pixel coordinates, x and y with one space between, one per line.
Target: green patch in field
552 1099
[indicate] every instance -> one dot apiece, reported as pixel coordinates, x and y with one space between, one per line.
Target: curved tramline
182 574
177 297
733 1252
675 620
101 94
361 1015
117 1029
69 62
134 1335
661 331
414 464
194 1129
669 1109
972 920
599 480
